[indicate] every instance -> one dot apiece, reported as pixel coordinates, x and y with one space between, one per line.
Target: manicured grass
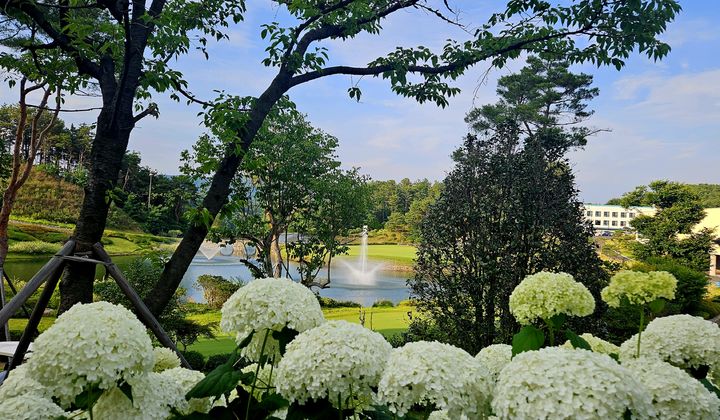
386 321
400 254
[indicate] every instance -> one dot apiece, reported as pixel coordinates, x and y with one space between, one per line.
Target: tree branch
152 109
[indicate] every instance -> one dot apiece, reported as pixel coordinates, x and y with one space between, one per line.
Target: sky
660 120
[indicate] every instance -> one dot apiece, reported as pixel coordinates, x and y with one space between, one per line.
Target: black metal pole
36 316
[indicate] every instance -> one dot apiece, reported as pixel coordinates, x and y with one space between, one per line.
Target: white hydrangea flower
495 357
639 288
98 343
433 373
676 395
154 395
30 407
684 341
266 305
165 359
21 382
598 345
335 359
187 379
543 295
559 383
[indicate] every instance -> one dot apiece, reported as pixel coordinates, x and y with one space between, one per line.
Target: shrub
194 358
330 303
217 289
383 303
34 248
691 284
215 360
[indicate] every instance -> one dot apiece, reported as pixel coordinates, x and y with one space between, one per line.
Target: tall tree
508 209
121 49
610 31
670 231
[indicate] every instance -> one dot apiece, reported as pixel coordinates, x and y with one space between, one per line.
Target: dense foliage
708 194
670 232
509 208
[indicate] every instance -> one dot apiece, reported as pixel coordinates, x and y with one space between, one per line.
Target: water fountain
362 272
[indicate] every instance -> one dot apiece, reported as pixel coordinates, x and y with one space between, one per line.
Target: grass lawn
400 254
386 321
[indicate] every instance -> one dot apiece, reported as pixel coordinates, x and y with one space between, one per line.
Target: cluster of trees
124 51
708 195
670 231
401 206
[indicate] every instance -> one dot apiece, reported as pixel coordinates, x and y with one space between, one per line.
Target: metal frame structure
50 274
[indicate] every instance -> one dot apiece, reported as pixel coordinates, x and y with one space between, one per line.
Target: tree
670 231
121 50
509 208
30 134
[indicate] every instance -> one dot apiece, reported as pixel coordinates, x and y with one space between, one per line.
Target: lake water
385 285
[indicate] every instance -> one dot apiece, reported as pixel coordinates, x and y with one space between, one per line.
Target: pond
346 284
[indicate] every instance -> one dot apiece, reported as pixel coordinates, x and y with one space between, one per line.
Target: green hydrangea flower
639 288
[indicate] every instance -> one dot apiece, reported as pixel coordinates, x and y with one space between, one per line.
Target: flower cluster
154 395
165 359
684 341
94 344
186 379
20 382
555 382
495 357
30 406
544 295
266 305
675 394
336 359
436 374
598 345
639 288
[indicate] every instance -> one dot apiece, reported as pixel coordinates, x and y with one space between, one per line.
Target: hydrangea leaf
527 339
577 341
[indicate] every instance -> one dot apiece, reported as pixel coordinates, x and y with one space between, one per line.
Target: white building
605 217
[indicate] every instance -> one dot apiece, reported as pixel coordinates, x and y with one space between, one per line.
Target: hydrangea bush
685 341
436 375
555 382
265 306
675 394
639 288
338 360
495 357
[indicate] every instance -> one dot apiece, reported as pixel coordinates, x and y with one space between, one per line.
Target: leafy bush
34 247
215 360
334 303
175 233
383 303
217 289
194 358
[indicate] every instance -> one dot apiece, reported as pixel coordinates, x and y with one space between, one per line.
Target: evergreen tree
509 208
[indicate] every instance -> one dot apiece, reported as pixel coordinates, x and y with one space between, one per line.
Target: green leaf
657 305
220 381
527 339
86 399
710 387
557 321
284 337
577 341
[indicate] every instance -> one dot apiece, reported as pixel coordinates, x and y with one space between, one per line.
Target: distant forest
709 194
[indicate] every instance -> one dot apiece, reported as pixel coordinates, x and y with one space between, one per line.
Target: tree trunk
106 156
216 196
276 255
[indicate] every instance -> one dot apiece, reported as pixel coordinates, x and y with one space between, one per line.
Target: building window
597 214
631 215
622 223
589 213
614 214
597 223
605 222
623 214
606 213
614 222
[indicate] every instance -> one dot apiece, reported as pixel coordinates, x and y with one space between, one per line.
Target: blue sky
664 117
